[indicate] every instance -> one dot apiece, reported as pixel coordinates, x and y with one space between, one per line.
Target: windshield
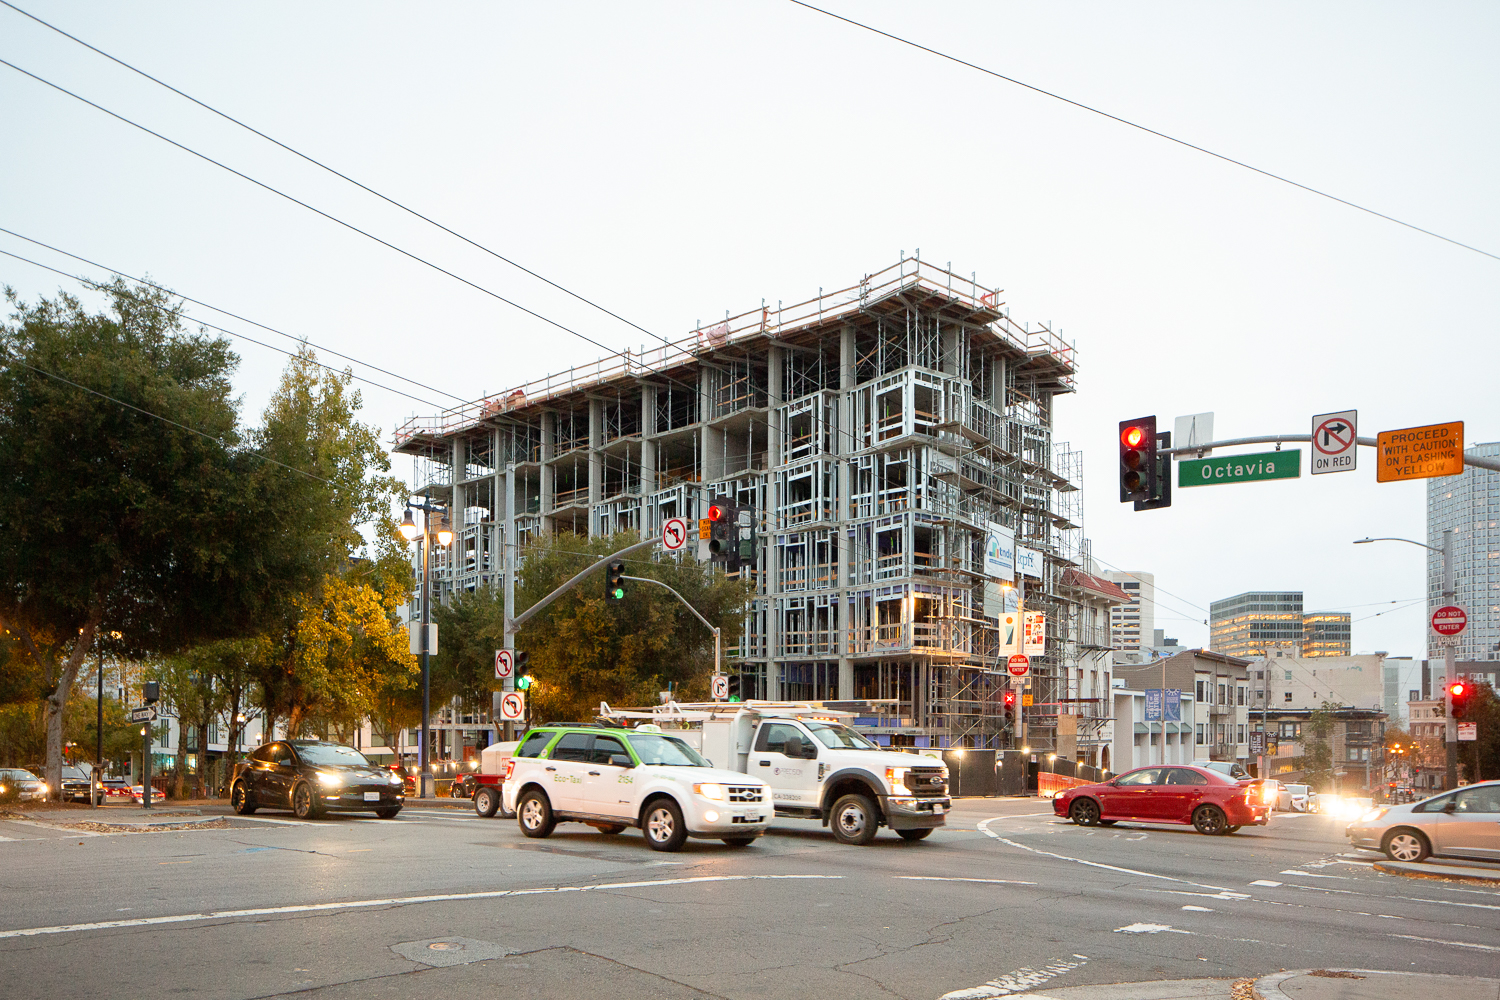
839 737
652 749
328 755
16 774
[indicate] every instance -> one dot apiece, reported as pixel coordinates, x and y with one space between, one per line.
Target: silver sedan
1462 823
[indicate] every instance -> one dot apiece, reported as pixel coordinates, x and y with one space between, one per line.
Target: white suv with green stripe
611 779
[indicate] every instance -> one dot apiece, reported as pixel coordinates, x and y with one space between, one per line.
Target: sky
671 161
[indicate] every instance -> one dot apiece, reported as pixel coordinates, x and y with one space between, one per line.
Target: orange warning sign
1420 452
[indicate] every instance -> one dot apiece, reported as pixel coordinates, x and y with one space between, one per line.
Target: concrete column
775 390
846 445
648 439
997 388
549 430
596 459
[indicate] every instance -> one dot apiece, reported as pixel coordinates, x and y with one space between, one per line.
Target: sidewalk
1302 984
1468 871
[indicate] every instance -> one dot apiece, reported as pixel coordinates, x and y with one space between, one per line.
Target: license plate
937 808
372 796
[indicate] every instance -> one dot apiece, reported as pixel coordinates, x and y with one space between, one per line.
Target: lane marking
1149 929
1198 909
175 862
1293 871
944 878
984 828
1456 944
389 901
1020 981
1266 882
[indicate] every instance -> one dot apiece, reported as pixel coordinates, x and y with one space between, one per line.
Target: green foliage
1481 758
585 650
1316 761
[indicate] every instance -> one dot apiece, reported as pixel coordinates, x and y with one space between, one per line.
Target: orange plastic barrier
1049 785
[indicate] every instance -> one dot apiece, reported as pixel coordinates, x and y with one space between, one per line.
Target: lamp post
1450 665
1019 586
444 537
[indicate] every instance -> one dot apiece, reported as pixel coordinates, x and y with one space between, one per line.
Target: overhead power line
323 166
291 354
1144 128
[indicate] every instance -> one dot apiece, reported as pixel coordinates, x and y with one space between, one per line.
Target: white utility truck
817 766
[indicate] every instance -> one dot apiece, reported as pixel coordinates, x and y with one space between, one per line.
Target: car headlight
710 790
395 779
1373 815
329 779
896 778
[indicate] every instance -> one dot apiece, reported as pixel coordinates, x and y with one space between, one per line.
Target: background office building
1132 626
1470 505
1253 624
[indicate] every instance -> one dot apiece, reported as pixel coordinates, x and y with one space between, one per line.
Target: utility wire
310 208
279 350
323 166
243 319
168 420
1143 128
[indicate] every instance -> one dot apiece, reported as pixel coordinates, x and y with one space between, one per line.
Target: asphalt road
1003 899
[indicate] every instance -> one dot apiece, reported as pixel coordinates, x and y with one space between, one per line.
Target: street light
444 537
1450 665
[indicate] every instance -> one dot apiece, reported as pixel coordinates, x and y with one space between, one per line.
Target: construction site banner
1000 553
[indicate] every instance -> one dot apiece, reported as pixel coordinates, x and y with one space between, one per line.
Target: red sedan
1213 803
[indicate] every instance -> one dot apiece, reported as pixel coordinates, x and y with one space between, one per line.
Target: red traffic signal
1010 699
1457 689
1133 435
1458 698
716 512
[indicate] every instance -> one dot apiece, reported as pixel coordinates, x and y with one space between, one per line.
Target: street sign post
1449 621
674 533
719 685
1419 452
512 706
1468 731
143 713
505 664
1019 665
1333 442
1255 468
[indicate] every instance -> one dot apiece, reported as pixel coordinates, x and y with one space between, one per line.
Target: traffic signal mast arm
684 600
522 618
1196 449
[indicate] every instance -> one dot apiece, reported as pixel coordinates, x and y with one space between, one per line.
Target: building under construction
878 431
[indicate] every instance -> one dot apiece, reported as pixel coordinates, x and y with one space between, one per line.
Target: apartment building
1469 504
1132 625
884 433
1253 623
1292 681
1217 686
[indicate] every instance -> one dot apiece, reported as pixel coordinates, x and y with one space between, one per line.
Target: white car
1460 823
611 779
1295 798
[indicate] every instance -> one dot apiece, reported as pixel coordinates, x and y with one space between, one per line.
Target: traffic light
1458 698
614 581
744 519
523 683
722 530
1010 699
1145 473
151 692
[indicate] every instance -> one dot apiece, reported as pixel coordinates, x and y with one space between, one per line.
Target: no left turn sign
674 533
1333 442
505 664
512 706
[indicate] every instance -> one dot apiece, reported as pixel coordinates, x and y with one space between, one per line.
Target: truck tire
486 802
854 820
535 814
664 826
914 834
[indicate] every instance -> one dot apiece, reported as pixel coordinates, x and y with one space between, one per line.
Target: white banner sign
1000 553
1010 634
1029 562
1035 633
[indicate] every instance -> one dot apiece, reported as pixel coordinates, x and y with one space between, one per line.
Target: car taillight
510 765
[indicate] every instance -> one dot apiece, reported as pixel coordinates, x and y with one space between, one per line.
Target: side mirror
621 760
792 747
1450 806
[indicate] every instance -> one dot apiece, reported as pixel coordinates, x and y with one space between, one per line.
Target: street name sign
505 664
674 533
1333 444
1240 468
512 706
1449 620
143 713
1419 452
1018 665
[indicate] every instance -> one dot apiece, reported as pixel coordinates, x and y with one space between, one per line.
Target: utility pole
1450 667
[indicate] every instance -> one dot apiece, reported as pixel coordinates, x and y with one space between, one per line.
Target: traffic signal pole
1450 669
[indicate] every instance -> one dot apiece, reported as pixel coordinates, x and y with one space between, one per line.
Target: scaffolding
880 430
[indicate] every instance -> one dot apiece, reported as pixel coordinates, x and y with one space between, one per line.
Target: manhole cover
438 952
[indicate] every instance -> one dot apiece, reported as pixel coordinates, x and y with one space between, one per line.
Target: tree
129 500
1316 762
585 650
1482 756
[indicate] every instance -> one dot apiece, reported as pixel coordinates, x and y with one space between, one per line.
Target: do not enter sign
1449 620
1018 665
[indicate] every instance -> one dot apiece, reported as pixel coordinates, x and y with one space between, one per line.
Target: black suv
311 776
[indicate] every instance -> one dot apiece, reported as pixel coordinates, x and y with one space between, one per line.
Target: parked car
1232 768
1464 823
1212 801
20 785
115 788
138 794
1296 798
312 776
75 784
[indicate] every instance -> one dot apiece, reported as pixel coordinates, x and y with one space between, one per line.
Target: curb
1269 987
1456 875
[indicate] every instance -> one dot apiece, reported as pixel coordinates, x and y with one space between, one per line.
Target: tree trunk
56 703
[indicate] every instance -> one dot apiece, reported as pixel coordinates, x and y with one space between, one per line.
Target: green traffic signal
523 683
614 585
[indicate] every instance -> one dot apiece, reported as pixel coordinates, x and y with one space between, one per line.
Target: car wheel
611 828
1210 821
663 826
239 799
1084 812
1405 845
738 841
1231 829
1108 822
486 802
535 814
853 820
914 834
388 813
304 805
